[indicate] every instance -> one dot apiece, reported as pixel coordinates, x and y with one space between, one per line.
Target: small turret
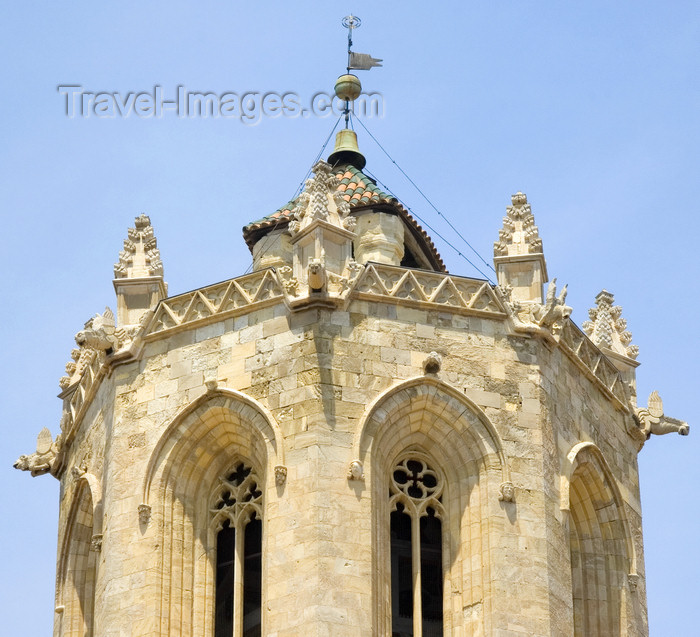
138 276
608 331
518 255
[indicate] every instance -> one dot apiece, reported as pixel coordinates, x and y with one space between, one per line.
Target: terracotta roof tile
359 191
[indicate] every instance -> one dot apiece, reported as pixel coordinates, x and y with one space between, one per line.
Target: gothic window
237 519
415 495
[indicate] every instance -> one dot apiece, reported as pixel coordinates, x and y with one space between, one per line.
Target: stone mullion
238 563
417 585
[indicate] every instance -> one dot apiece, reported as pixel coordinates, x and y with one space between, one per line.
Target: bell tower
350 440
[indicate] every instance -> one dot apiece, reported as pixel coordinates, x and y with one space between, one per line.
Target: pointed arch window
416 548
237 518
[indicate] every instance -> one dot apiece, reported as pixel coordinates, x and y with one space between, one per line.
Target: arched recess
602 552
77 569
433 418
203 443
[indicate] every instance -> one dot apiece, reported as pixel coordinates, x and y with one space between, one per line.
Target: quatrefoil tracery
414 478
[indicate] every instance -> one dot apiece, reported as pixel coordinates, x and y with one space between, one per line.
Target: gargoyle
432 363
99 333
651 420
554 309
41 461
317 275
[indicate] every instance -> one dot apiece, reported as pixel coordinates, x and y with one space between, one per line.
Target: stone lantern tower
350 440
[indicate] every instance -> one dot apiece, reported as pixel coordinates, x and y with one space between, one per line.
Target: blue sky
591 108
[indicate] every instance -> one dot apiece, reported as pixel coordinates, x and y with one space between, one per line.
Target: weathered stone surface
528 431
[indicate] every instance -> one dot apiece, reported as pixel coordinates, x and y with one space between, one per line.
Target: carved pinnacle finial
607 329
321 200
140 257
519 235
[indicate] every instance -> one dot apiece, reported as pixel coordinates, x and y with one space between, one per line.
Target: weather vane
348 86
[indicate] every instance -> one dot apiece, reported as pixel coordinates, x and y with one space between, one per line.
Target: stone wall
312 391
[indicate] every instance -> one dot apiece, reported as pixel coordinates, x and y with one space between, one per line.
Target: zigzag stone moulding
377 282
79 397
419 288
230 297
598 365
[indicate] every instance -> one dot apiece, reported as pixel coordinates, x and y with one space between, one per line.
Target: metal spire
350 22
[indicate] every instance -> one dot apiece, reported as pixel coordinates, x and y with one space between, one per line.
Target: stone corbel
356 471
96 542
280 475
144 514
507 492
432 363
633 581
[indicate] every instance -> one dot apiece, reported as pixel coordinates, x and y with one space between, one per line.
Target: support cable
298 190
457 232
433 230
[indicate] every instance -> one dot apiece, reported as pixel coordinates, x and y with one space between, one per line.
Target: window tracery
237 520
417 515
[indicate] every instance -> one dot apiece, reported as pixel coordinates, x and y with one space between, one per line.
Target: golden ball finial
348 87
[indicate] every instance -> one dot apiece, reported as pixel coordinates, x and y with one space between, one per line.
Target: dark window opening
431 574
225 548
252 578
409 261
401 574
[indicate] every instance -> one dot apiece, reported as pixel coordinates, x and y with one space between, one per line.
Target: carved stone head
356 471
280 475
507 492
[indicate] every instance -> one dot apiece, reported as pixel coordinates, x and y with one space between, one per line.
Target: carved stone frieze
422 288
230 297
573 340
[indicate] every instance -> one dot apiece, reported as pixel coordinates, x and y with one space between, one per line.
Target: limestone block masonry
329 397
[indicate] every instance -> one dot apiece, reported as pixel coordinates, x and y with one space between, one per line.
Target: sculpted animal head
317 275
99 332
22 463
